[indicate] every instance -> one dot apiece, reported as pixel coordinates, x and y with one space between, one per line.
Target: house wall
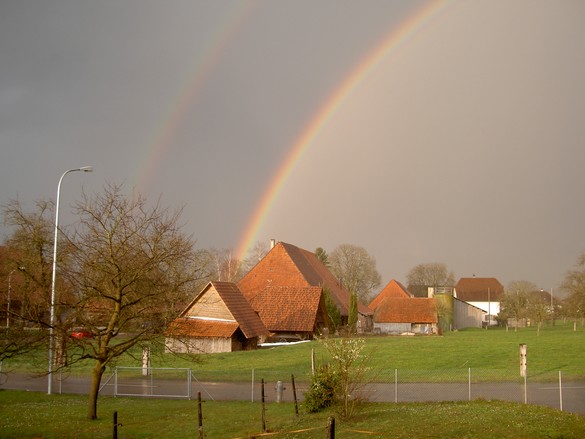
492 307
199 345
392 328
210 306
466 316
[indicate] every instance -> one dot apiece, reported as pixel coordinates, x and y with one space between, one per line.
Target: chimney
272 243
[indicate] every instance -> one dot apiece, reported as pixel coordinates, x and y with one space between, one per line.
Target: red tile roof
393 289
250 323
290 308
289 266
406 310
479 289
196 327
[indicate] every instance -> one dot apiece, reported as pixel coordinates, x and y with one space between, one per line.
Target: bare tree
574 285
132 270
423 276
355 269
26 260
514 304
260 249
223 265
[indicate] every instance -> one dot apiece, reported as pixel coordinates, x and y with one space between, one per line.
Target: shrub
325 385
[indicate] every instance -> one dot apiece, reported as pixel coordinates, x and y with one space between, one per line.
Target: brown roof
250 323
289 266
290 308
195 327
479 289
238 310
393 289
406 310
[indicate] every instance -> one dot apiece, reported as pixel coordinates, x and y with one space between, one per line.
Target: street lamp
52 321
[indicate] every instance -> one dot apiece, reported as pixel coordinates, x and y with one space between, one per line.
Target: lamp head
86 169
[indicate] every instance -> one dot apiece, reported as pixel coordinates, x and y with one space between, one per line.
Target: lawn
557 348
26 414
37 415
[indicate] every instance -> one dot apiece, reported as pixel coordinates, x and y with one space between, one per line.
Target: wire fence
393 385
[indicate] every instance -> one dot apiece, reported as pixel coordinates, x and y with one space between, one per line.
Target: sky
422 131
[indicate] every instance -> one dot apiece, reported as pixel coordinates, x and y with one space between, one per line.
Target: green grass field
34 415
37 415
557 348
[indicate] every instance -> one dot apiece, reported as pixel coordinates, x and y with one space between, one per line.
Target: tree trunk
96 378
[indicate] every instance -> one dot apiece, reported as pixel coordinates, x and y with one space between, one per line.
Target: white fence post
469 384
116 381
561 390
252 384
396 385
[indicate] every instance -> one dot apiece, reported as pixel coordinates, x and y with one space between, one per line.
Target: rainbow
202 68
395 40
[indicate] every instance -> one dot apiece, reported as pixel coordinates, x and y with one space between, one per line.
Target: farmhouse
219 319
482 292
289 266
396 311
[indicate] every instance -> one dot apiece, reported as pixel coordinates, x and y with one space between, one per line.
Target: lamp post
52 321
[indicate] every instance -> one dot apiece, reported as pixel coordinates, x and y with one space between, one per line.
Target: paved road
547 394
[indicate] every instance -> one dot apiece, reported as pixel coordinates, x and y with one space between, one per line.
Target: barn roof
289 308
238 308
479 289
393 289
289 266
406 310
197 327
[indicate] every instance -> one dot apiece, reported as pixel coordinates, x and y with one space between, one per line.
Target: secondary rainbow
396 39
202 68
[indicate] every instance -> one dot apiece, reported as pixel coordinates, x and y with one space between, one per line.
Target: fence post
469 384
190 384
115 431
331 428
199 415
396 385
561 390
522 360
525 391
292 378
252 384
116 381
263 409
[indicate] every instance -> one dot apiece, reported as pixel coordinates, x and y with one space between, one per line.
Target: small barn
396 311
406 315
219 319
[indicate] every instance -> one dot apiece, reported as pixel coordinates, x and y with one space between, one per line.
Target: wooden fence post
200 415
292 378
331 428
115 432
263 409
